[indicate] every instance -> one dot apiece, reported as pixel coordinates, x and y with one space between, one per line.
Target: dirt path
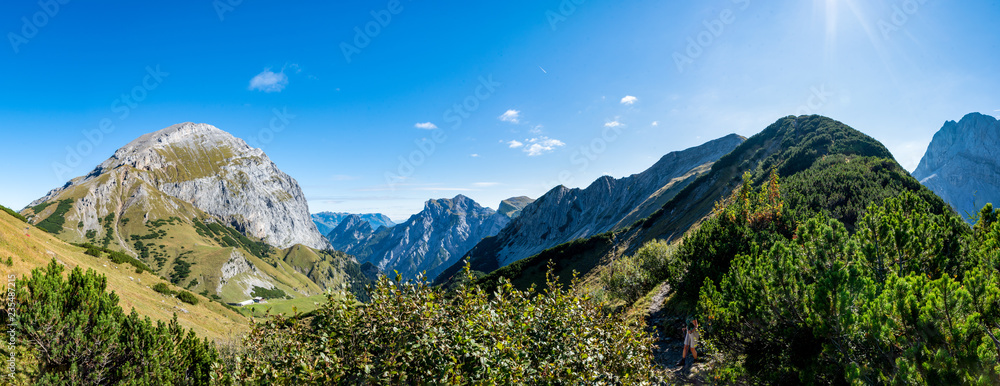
666 328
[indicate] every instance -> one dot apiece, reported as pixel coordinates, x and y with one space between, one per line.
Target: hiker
690 342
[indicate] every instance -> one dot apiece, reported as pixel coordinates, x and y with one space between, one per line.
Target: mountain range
855 166
328 221
207 213
427 242
565 214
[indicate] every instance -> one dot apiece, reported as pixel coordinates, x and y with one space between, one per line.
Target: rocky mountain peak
218 174
962 163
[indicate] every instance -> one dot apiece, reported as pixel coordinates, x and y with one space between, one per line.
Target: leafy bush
631 277
411 333
76 333
272 293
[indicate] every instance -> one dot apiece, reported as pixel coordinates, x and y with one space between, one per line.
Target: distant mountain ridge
962 163
565 214
428 241
328 221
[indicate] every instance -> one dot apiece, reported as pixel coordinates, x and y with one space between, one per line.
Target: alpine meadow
556 192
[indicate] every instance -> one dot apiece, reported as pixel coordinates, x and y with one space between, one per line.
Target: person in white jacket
690 342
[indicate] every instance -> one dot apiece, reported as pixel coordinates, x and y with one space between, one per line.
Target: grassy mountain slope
35 248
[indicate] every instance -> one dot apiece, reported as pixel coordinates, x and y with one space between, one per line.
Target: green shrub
411 333
163 288
631 277
93 251
187 297
13 213
74 332
182 269
273 293
912 297
54 223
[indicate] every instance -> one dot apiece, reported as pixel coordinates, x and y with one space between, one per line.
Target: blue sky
524 95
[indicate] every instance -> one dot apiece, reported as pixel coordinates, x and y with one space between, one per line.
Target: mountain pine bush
70 331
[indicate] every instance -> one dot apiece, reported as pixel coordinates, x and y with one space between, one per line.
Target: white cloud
628 100
613 124
426 126
512 116
268 81
537 129
474 155
485 184
515 144
655 123
542 145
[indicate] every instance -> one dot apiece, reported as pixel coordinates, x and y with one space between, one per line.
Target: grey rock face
351 234
221 175
565 214
328 221
962 163
430 241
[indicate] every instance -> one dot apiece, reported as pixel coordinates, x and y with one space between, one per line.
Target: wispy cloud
542 145
268 81
628 100
655 123
426 126
537 129
474 155
614 124
512 116
515 144
485 184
